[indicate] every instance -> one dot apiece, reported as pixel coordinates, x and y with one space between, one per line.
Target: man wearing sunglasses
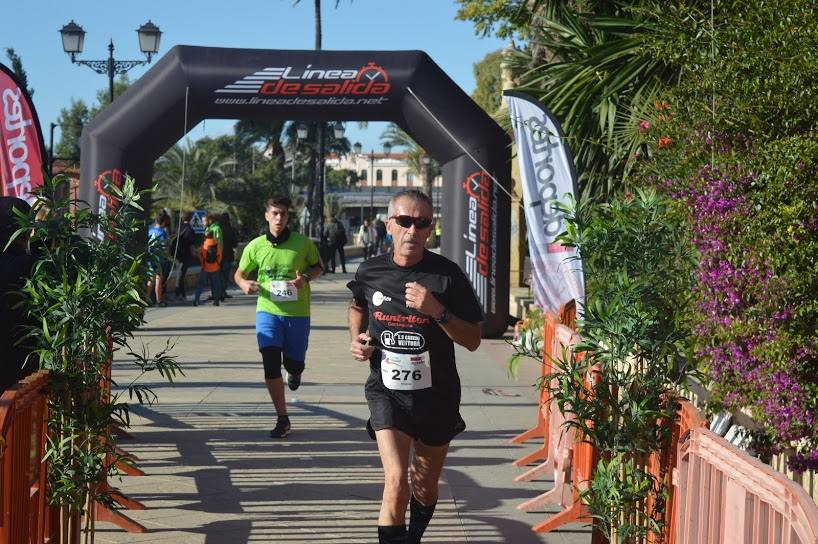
409 308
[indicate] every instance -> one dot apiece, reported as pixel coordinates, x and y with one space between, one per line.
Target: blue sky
33 31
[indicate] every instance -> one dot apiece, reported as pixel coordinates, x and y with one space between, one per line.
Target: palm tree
202 173
396 137
251 131
600 84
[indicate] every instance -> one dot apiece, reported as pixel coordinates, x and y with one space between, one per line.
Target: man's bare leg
427 464
394 446
276 389
424 472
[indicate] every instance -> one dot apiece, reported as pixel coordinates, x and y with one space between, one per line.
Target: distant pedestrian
212 225
337 236
184 253
210 258
380 236
230 240
366 239
158 263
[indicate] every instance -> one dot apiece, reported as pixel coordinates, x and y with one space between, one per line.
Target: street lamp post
338 133
301 134
73 37
51 156
387 148
51 150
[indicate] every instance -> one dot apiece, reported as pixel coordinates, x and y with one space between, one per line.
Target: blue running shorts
289 334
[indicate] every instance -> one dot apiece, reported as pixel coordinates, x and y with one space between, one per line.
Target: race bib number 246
283 291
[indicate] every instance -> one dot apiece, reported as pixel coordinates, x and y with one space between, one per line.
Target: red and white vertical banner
21 142
547 176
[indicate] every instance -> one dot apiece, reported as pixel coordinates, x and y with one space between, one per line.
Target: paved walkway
214 475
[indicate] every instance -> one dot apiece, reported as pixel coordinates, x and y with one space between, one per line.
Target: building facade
379 176
387 170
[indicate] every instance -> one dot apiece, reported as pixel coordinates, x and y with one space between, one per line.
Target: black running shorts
430 419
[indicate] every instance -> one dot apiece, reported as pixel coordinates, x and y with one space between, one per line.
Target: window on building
363 175
409 177
379 176
394 177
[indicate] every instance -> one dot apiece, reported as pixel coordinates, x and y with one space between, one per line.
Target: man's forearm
462 332
357 321
315 271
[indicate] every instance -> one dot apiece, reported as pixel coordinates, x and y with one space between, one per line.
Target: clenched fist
361 347
420 299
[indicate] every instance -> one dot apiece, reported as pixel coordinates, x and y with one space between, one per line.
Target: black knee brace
272 363
292 366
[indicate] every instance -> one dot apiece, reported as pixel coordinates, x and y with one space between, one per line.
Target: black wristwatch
306 276
444 317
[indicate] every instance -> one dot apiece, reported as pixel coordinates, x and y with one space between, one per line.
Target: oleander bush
734 144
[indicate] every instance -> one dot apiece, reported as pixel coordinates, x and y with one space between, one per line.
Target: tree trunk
317 208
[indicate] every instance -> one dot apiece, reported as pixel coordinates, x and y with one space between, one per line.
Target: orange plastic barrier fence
25 518
570 459
567 316
542 429
724 496
688 418
717 494
572 476
559 440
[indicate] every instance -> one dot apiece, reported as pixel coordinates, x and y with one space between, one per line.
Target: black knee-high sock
419 518
391 534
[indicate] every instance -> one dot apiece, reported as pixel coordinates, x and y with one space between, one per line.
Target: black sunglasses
406 221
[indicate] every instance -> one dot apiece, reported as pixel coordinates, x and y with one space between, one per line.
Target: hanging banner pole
547 173
22 151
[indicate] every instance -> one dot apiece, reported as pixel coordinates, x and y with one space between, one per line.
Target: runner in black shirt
409 308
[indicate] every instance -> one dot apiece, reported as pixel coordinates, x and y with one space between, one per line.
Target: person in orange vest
210 259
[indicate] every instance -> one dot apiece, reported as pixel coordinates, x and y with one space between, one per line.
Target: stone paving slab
214 476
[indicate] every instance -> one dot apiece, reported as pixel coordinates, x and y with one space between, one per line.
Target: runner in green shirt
286 262
212 225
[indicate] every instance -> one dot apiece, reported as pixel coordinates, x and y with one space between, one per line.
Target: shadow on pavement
215 468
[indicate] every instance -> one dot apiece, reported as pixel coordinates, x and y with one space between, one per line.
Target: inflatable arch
189 84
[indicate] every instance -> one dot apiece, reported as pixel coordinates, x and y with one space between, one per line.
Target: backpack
212 254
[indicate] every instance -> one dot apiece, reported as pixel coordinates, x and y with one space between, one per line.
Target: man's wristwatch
444 317
307 277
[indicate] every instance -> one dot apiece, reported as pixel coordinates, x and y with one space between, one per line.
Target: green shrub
82 293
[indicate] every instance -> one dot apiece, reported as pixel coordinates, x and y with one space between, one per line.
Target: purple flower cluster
802 462
745 307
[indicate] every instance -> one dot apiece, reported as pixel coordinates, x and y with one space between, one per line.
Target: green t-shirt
279 263
217 234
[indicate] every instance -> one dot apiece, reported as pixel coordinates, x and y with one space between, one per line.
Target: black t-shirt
230 241
379 288
185 243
